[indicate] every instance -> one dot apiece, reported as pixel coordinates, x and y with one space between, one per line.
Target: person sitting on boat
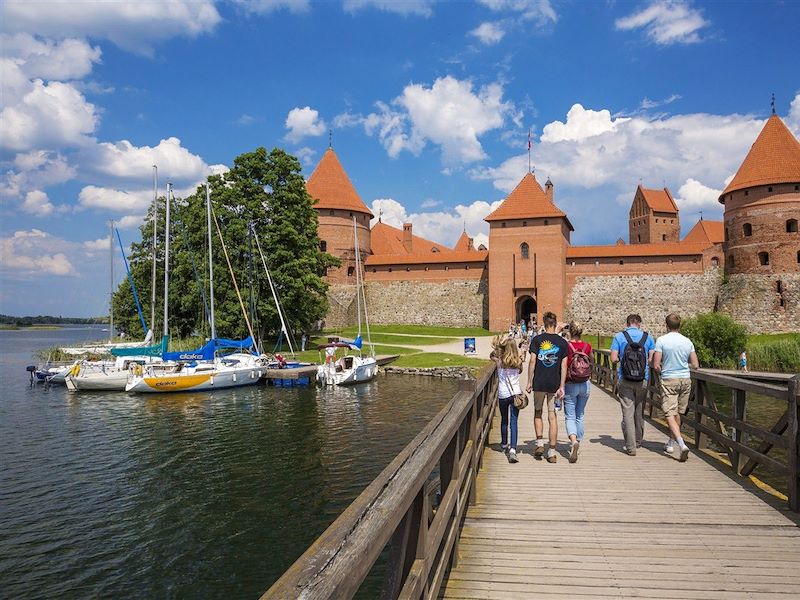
330 354
281 361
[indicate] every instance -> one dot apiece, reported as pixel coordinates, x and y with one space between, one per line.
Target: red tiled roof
659 200
528 200
331 187
464 243
388 249
632 250
773 158
706 232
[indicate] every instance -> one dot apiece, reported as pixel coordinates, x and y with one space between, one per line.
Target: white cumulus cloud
120 201
666 22
581 124
48 59
489 32
449 114
31 253
693 197
133 26
37 203
304 122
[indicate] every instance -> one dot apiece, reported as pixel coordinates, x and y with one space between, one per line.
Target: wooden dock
616 526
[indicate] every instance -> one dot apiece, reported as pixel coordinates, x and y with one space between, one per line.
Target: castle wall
336 231
450 303
602 302
763 303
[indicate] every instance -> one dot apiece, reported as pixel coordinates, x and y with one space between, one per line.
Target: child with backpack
509 368
633 349
576 389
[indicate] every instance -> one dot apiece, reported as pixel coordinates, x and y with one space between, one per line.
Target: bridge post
700 438
794 444
739 413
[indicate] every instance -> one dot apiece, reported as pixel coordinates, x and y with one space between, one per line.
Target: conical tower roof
773 158
464 243
527 200
332 188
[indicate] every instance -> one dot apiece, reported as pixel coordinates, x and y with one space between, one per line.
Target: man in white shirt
673 356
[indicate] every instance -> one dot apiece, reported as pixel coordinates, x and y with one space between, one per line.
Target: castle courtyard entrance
526 309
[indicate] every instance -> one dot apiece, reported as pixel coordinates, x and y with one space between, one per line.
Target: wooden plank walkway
616 526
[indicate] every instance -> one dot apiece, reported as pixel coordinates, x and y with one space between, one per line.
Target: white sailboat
200 369
350 368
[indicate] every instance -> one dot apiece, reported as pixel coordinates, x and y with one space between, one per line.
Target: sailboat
113 375
204 368
350 368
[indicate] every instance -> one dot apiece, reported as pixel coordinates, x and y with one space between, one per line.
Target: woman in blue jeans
576 393
509 367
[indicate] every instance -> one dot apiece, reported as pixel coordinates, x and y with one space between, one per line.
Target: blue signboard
469 346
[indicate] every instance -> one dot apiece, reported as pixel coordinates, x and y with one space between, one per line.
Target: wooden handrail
395 509
708 422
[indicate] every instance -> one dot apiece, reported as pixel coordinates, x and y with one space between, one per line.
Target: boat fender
75 370
137 369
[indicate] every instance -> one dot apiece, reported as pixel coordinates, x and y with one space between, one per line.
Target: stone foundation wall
603 302
763 303
457 303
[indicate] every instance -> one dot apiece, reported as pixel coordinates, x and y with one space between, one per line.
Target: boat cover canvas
207 351
156 350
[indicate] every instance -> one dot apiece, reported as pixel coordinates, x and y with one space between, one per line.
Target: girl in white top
509 367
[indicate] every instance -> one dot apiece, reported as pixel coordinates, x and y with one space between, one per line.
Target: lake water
205 495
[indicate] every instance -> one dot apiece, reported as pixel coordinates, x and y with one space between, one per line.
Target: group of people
559 370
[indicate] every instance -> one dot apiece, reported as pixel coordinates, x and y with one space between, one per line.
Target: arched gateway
526 309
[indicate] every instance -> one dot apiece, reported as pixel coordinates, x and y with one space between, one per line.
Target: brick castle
748 265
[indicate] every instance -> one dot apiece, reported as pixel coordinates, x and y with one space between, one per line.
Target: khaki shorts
675 396
539 399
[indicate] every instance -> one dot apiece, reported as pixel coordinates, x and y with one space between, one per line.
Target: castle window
524 250
545 221
796 188
638 237
435 249
746 193
763 258
446 268
374 270
427 268
656 220
714 261
323 245
747 229
466 267
670 261
769 189
694 260
390 269
647 262
791 226
573 263
622 262
408 268
524 223
330 212
779 286
351 271
351 214
672 220
730 261
798 256
663 237
726 234
597 263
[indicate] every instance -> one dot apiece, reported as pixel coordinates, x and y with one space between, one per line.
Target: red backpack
579 368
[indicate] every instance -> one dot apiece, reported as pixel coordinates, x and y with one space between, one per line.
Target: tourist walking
547 372
674 354
743 361
633 349
576 389
509 367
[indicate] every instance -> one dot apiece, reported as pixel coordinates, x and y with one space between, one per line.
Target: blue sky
430 104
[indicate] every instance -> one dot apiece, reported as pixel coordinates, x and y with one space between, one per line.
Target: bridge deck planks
614 526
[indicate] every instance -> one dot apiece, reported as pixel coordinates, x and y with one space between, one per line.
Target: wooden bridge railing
399 508
707 421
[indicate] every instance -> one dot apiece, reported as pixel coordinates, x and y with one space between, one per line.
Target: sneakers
552 456
629 451
512 456
684 454
505 447
573 452
669 447
538 452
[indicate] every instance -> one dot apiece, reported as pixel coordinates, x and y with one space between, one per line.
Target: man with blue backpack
633 348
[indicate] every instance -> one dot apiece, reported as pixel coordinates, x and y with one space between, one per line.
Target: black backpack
634 358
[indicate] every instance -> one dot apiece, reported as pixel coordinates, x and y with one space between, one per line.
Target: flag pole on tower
529 151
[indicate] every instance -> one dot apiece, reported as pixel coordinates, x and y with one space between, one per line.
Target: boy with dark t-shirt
547 373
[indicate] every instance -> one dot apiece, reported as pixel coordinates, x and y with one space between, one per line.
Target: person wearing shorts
674 355
547 373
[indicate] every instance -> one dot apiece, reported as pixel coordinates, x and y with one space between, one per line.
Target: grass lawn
759 338
438 359
422 330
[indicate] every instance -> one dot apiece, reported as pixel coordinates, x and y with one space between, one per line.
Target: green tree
263 196
717 338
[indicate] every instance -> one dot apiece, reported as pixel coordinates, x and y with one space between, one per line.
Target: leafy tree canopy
717 338
262 201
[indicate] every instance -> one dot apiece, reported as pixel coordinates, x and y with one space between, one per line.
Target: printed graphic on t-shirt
548 354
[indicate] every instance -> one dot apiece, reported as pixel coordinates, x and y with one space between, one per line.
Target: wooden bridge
452 518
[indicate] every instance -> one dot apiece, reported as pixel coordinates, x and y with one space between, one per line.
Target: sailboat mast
358 274
155 238
111 286
210 264
166 262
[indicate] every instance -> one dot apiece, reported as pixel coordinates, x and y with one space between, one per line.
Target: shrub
717 338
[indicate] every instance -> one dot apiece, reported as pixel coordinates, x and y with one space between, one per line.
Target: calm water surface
207 495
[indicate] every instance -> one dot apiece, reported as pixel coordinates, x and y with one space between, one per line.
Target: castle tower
653 217
528 239
337 204
762 206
